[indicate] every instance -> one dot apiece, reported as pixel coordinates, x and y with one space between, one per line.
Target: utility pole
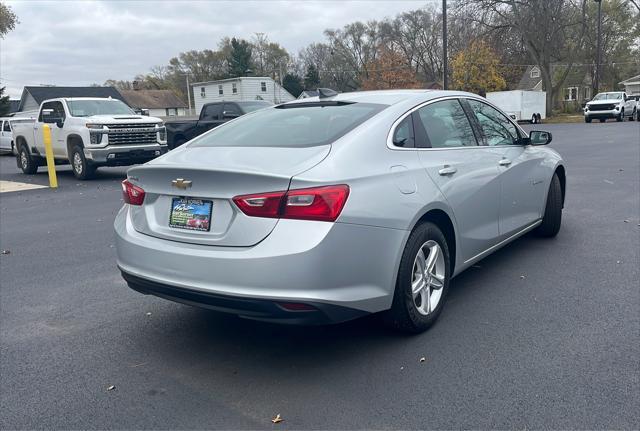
445 83
599 46
188 93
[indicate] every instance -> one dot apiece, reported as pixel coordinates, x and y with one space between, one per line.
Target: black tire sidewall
403 313
31 167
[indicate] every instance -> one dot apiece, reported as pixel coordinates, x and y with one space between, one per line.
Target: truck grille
602 107
127 134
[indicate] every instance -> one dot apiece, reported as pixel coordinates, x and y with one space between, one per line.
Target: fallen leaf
423 359
277 419
621 170
618 262
522 277
110 388
148 313
401 368
626 221
6 251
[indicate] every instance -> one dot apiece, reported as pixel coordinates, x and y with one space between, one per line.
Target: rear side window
497 129
446 125
212 112
6 127
304 125
403 135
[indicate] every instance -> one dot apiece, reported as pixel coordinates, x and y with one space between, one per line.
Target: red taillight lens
260 205
132 195
317 203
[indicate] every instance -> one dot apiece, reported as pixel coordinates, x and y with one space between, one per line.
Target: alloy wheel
24 162
77 163
428 277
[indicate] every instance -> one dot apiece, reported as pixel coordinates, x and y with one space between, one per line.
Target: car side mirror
59 122
230 114
538 137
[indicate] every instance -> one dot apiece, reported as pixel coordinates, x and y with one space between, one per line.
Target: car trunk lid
193 176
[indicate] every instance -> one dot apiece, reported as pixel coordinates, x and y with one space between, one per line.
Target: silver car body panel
352 262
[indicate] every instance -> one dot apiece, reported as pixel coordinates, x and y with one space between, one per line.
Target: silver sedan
329 208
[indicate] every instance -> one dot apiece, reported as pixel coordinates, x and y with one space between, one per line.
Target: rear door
522 174
465 172
211 117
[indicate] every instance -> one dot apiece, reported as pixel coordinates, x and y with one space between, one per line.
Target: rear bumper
343 270
258 309
124 155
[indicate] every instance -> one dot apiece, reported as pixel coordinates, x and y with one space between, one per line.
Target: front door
466 173
51 111
521 170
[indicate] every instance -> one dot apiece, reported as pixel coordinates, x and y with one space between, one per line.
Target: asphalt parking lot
542 334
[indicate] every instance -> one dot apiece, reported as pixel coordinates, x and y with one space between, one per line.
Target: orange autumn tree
389 70
475 69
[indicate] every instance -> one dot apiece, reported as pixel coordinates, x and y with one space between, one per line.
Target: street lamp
599 45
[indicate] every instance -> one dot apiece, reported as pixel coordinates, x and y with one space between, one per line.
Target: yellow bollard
51 165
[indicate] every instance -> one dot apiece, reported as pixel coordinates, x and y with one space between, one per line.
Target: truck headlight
162 132
95 138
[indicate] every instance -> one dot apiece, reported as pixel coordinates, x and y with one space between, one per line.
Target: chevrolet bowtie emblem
181 183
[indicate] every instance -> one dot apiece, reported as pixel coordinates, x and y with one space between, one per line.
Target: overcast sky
80 43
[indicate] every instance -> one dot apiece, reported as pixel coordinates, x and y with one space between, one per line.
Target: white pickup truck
612 104
89 133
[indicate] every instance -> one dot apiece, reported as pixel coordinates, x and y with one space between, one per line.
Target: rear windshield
306 125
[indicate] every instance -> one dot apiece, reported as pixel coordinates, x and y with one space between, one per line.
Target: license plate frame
194 215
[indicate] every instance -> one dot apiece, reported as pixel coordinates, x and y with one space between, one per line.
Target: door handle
447 170
504 162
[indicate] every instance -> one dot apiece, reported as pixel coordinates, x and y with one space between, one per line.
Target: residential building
632 85
32 97
237 89
156 103
576 89
308 93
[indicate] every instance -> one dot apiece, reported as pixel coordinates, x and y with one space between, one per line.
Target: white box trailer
521 105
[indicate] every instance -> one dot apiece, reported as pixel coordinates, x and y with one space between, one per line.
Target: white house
235 89
632 85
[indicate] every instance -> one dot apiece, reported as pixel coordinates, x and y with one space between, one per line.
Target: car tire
534 119
81 167
539 119
26 162
587 119
410 312
602 120
634 115
552 218
620 116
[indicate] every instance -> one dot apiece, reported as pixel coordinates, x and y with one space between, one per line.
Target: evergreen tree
293 84
239 58
311 78
5 106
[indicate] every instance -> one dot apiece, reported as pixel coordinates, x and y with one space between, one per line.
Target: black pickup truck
211 115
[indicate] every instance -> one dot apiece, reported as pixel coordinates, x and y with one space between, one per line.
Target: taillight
317 203
132 194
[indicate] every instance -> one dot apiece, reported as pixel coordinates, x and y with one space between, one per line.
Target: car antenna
325 93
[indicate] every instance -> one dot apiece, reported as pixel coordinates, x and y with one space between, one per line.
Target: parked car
211 115
612 104
521 105
89 133
329 208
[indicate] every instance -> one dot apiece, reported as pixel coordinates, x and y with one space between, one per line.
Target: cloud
80 43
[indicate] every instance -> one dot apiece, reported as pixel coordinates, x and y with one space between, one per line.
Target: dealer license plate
191 214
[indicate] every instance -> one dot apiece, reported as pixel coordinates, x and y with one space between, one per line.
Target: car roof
387 97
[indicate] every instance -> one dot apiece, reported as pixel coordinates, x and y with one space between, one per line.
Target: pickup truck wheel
587 119
27 163
634 116
620 116
82 169
602 120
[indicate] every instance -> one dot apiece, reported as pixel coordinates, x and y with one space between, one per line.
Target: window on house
220 90
203 92
535 72
234 88
587 92
263 87
172 112
570 94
